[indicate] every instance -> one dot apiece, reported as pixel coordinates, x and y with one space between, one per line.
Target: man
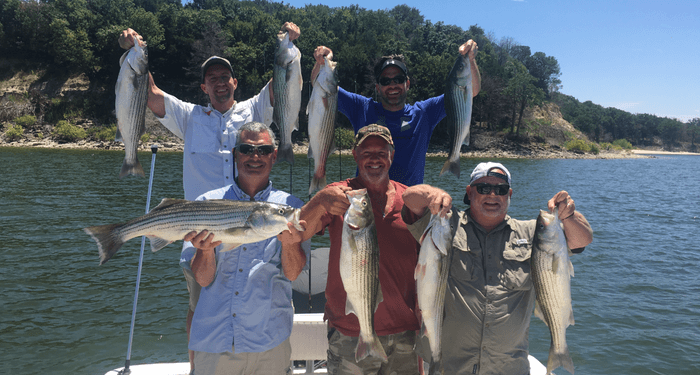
209 132
411 125
394 320
244 315
490 296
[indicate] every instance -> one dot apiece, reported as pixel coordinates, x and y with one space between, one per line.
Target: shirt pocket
516 263
203 138
464 262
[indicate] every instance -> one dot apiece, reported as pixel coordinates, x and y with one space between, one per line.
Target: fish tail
108 242
286 152
133 168
374 348
317 183
559 359
452 166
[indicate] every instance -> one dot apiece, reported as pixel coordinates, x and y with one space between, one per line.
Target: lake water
636 292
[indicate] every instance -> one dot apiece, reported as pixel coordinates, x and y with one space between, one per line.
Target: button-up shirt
209 136
249 303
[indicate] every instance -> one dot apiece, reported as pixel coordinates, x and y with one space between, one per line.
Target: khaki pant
398 348
276 361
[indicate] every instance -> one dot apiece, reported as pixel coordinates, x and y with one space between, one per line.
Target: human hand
292 29
564 203
202 240
334 199
469 47
439 202
128 37
292 235
320 53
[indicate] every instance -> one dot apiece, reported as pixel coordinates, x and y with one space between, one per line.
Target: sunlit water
636 290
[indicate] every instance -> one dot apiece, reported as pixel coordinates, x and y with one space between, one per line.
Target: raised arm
419 197
576 228
470 47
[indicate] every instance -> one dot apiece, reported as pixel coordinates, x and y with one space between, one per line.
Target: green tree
522 92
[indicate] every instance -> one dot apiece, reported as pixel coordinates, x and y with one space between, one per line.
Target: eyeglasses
261 150
386 81
485 189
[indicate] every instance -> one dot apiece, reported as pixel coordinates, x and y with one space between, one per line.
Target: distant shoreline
651 152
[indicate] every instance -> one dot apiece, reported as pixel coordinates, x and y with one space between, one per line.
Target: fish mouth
353 227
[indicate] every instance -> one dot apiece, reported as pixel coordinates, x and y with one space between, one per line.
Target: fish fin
348 307
571 268
158 243
555 264
108 242
317 184
237 232
538 312
365 349
571 317
118 137
420 271
134 169
229 246
380 296
557 360
121 59
167 202
452 166
286 153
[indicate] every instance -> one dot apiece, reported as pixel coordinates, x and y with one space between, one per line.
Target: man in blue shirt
244 315
411 125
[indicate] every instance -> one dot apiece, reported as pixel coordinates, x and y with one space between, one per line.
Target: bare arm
293 256
331 199
470 47
576 228
419 197
319 54
204 262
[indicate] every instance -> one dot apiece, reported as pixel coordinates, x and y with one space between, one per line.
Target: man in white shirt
209 133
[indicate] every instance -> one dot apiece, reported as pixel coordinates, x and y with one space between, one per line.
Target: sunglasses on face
386 81
485 189
261 150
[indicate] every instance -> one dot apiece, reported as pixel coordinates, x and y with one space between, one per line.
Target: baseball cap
486 169
393 62
373 130
214 60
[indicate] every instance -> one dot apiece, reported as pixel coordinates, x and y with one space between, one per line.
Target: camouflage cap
373 130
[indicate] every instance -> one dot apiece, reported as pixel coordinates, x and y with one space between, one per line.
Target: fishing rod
126 370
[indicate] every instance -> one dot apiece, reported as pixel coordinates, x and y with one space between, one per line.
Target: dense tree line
79 36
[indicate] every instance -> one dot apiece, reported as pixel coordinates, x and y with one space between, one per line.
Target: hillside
543 135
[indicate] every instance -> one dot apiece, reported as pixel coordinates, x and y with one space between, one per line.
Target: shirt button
234 315
227 160
240 270
236 293
487 325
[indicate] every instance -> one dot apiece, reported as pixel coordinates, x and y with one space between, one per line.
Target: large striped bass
232 222
551 274
458 106
130 103
322 108
431 279
359 271
286 88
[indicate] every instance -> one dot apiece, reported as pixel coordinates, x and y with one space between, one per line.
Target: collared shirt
249 303
490 297
209 137
397 263
411 129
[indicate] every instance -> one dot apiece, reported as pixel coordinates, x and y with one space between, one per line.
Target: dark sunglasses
484 189
386 81
247 149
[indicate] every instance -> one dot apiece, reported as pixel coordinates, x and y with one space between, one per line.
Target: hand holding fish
203 240
334 200
577 230
292 29
292 234
320 53
419 197
127 38
469 47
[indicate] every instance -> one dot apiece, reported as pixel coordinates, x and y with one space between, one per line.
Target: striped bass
322 108
458 106
551 274
232 222
431 279
130 103
359 271
286 88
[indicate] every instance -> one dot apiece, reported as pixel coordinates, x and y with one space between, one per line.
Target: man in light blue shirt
244 315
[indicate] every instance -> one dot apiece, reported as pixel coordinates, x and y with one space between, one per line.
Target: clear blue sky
642 56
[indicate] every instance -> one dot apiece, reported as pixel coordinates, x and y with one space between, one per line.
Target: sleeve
353 106
261 105
418 226
435 109
177 115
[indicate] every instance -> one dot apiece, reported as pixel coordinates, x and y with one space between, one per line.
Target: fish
130 104
286 89
551 272
359 271
232 222
322 109
458 106
431 279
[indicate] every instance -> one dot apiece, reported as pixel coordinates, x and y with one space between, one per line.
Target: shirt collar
236 193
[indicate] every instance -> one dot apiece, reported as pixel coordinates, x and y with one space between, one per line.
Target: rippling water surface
636 291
